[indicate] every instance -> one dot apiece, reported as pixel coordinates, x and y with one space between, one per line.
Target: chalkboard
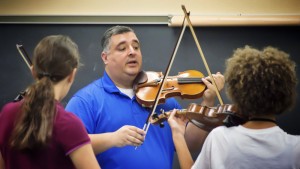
157 43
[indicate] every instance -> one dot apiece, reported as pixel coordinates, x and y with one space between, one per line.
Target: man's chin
133 70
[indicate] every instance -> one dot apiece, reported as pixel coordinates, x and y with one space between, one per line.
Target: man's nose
131 50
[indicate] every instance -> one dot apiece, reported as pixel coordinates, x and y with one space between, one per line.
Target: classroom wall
147 8
202 12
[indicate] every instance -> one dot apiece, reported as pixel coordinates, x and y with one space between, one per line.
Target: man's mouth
133 62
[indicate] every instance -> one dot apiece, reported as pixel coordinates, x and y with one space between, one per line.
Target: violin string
201 53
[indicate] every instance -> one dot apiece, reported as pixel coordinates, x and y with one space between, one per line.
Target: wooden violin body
204 117
187 85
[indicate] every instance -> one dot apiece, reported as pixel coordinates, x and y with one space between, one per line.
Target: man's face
124 56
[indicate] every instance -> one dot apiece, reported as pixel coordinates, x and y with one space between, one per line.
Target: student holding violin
36 132
113 117
262 84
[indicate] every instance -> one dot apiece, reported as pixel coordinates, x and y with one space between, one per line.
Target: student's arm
184 156
1 162
84 158
126 135
178 129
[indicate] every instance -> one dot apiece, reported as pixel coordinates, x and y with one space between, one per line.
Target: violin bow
147 123
201 53
24 55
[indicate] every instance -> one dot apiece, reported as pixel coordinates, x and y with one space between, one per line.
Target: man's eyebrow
124 42
137 41
121 43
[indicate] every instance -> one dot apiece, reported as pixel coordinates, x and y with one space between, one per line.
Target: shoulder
68 122
221 132
10 108
88 93
8 116
90 89
219 129
290 138
10 105
65 117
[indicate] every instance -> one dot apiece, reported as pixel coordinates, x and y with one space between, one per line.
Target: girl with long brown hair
37 132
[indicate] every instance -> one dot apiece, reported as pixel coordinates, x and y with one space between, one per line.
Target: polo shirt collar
108 84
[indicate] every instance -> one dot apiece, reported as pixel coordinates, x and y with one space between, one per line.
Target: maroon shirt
68 135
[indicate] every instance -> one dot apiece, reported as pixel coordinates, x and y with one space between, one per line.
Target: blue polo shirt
103 108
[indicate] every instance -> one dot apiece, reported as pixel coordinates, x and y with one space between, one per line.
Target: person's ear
104 57
72 75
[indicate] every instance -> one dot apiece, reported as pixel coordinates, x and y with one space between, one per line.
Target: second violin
205 117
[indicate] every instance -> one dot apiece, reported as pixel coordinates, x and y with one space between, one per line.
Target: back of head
261 82
115 30
55 57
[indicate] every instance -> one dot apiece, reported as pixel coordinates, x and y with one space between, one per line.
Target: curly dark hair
261 82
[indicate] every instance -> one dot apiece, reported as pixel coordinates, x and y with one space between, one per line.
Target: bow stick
147 123
201 53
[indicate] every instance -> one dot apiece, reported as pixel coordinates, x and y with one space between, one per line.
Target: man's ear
104 57
72 75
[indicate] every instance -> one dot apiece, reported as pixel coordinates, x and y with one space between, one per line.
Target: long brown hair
54 58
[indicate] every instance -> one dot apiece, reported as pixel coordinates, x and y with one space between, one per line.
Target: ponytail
34 126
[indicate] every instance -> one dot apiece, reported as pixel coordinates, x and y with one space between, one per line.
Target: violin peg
155 116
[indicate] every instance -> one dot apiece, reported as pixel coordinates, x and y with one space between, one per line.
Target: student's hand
128 135
210 93
177 124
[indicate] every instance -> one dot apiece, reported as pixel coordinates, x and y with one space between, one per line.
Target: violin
206 118
187 85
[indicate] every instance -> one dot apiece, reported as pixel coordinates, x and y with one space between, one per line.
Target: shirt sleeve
70 133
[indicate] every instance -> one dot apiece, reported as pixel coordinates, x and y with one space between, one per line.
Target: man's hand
128 135
210 93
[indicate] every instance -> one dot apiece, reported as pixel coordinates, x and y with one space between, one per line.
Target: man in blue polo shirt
113 117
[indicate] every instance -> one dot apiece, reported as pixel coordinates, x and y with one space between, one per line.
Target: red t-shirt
68 135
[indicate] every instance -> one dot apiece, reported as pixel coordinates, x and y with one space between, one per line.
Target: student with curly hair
262 84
